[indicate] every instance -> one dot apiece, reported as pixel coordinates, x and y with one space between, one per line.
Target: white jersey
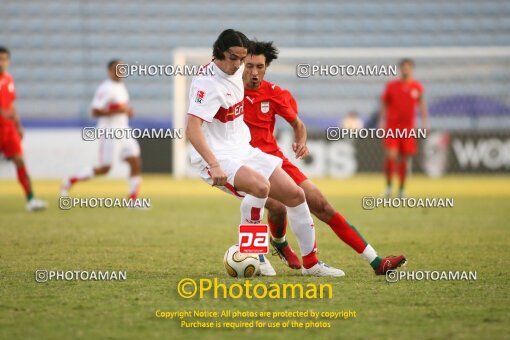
108 94
217 98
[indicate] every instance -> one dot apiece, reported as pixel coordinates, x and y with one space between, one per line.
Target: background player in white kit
111 106
225 158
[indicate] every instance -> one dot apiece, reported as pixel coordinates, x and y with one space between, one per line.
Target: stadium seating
60 47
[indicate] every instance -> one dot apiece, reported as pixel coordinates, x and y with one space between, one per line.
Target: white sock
84 174
134 185
369 254
301 223
252 209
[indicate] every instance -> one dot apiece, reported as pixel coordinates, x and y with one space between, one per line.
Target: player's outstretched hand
21 132
301 150
219 176
130 111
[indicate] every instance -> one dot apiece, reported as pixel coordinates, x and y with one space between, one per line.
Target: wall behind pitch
57 153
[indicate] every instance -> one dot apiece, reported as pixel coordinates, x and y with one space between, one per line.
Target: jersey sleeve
12 88
421 89
101 98
204 100
286 106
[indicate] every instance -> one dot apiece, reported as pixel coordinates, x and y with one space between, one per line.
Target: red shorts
10 142
290 168
405 146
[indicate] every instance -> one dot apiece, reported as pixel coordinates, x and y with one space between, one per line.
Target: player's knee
261 189
296 196
102 170
18 162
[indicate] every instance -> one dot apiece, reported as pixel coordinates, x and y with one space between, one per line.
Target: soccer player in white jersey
111 106
224 157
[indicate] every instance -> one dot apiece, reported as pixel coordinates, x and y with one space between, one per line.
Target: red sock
311 259
347 233
277 231
402 172
389 166
24 180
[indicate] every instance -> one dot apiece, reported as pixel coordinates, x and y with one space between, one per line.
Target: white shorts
255 159
117 149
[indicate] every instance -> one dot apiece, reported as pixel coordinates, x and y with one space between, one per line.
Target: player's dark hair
406 61
111 63
227 39
5 50
264 47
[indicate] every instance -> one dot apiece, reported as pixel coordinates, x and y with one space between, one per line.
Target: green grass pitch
187 231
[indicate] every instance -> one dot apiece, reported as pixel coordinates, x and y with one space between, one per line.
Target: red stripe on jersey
231 113
255 214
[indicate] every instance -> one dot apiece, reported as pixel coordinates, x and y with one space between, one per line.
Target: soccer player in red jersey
263 101
399 101
11 131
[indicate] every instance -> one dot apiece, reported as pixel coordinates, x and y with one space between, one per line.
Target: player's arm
113 109
286 107
383 108
299 146
424 110
197 139
17 121
382 114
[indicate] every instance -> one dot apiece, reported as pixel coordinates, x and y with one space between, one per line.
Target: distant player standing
399 101
223 155
11 131
111 106
263 101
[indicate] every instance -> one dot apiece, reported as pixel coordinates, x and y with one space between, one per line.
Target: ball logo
253 238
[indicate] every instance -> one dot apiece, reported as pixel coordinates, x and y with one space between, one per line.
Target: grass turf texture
189 228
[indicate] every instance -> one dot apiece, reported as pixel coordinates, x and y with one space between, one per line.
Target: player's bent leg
83 175
33 203
101 170
256 188
346 231
319 206
277 220
135 180
285 190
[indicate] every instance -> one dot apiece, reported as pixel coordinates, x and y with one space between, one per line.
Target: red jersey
260 109
7 97
401 98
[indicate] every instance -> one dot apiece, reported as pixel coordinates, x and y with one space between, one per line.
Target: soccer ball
240 265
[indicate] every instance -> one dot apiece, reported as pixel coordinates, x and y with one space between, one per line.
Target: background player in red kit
263 101
11 131
398 109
